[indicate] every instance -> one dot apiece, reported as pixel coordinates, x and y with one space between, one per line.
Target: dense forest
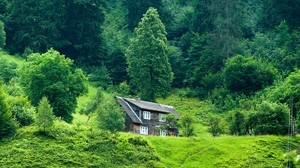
240 56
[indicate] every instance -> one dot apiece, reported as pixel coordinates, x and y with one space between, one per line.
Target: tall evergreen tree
148 64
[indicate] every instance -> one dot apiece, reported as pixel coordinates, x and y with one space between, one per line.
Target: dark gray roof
129 111
145 105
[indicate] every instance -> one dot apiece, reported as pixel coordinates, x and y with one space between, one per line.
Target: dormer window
147 115
162 117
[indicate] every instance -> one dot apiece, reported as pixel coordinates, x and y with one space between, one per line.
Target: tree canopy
52 75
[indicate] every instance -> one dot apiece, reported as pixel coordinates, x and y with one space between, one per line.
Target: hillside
70 146
227 151
81 145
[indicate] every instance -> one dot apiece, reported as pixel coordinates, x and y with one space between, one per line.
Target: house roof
144 105
129 110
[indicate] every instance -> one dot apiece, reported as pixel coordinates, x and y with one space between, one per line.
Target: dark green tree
44 116
136 9
148 65
247 75
82 30
110 116
237 123
52 75
2 35
35 24
270 118
8 125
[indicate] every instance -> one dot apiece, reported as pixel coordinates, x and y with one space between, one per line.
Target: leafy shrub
270 118
247 75
237 122
21 110
7 69
7 126
216 124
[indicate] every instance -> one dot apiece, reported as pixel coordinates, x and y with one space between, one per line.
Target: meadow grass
224 151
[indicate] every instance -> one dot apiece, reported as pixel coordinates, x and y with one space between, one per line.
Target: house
147 118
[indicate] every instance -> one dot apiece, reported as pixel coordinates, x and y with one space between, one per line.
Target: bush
21 110
270 118
216 125
7 70
8 125
237 122
247 75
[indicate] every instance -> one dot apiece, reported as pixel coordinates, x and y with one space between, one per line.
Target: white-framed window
144 130
163 132
147 115
161 117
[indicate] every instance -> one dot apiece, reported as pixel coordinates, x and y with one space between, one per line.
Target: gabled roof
129 110
144 105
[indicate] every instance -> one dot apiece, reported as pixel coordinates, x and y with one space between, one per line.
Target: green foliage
44 116
82 32
216 124
270 118
148 65
39 27
247 75
8 125
52 75
237 122
187 125
110 116
2 35
136 9
8 69
288 91
99 76
21 110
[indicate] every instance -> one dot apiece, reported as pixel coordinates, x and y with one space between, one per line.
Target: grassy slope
261 151
77 146
224 151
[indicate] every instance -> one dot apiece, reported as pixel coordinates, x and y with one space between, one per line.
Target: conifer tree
148 64
45 117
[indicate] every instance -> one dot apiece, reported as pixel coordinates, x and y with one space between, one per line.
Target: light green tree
54 76
44 117
148 64
187 125
110 116
7 124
